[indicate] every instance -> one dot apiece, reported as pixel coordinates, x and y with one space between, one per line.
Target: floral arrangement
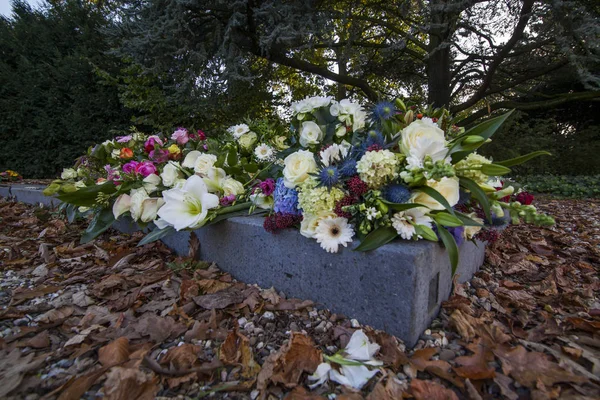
339 173
10 176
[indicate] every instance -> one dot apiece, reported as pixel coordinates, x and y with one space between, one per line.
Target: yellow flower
174 149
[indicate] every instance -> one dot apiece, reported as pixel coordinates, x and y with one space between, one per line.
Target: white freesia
214 179
333 232
418 130
341 131
231 186
334 153
122 205
447 187
310 133
150 208
319 101
238 130
137 198
151 183
297 168
360 348
68 173
188 207
171 172
404 221
262 201
349 113
355 376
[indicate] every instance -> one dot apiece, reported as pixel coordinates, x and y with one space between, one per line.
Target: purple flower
145 168
123 139
267 186
130 167
111 173
181 136
227 200
151 142
159 156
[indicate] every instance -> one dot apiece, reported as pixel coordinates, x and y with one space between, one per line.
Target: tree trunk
438 61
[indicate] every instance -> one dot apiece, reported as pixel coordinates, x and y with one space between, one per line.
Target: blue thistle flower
383 111
285 199
329 176
348 167
374 137
396 193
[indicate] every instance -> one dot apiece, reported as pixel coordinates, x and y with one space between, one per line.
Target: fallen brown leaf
116 352
429 390
129 383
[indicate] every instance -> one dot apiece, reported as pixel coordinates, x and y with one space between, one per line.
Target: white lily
187 207
122 205
359 347
214 179
137 198
150 208
320 375
191 158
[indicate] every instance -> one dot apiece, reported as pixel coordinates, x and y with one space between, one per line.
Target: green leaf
71 211
402 206
450 245
431 192
156 234
446 219
426 233
232 157
494 169
486 129
521 159
101 222
466 220
377 238
86 196
479 195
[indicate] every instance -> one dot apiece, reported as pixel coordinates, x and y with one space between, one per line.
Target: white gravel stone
268 315
355 323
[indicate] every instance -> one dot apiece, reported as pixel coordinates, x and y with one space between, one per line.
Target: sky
6 8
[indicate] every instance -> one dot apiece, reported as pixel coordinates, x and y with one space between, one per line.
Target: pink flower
159 156
130 167
123 139
152 142
267 186
111 173
181 136
227 200
201 135
145 168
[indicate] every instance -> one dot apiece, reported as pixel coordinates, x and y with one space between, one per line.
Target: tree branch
533 105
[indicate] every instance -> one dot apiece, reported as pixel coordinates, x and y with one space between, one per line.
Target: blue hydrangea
285 199
396 193
329 176
348 168
383 111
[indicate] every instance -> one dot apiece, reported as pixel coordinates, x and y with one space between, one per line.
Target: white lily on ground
187 207
353 371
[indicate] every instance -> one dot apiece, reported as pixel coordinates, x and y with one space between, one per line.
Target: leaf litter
112 320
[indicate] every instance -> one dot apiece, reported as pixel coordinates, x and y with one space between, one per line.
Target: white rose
137 198
231 186
297 168
115 153
151 182
310 133
204 163
170 174
310 222
413 134
190 159
68 173
447 187
122 205
424 146
150 208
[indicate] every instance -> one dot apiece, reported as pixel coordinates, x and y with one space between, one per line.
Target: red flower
525 198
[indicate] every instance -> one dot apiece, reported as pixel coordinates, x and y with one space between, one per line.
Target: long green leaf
450 245
495 169
426 233
86 197
156 234
402 206
437 196
466 220
101 222
445 219
377 238
521 159
479 195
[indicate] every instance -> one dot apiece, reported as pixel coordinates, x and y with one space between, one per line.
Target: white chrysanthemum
264 152
404 222
238 130
333 232
334 153
371 213
376 168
